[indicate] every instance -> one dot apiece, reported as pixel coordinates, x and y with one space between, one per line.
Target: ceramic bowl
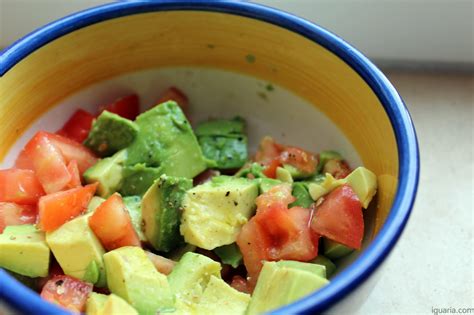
289 78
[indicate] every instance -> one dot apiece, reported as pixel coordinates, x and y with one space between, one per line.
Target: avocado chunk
191 275
134 207
161 211
132 276
138 178
95 202
24 251
251 170
318 270
219 297
283 175
95 303
108 173
297 173
327 263
78 251
221 127
110 133
325 156
303 199
278 286
361 180
335 250
165 139
265 184
229 254
224 142
100 304
225 204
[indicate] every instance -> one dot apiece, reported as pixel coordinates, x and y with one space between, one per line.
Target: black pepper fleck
227 193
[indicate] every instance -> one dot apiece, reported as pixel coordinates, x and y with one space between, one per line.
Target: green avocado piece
300 192
134 207
138 178
95 303
110 133
284 175
165 139
265 184
278 286
229 254
221 127
161 211
95 202
219 296
318 270
108 173
228 152
132 276
335 250
326 262
76 247
225 204
296 173
191 275
325 156
23 250
100 304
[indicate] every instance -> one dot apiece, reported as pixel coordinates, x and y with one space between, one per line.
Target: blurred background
426 48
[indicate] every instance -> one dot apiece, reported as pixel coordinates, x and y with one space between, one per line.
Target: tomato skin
48 163
127 107
174 94
67 292
20 186
58 208
72 150
268 150
303 160
340 218
271 168
276 232
75 175
240 284
78 126
112 224
15 214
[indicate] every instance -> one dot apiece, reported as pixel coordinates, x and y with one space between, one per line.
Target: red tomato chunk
14 214
127 107
112 224
20 186
78 126
339 217
67 292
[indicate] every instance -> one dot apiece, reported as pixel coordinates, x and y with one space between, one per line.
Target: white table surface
432 264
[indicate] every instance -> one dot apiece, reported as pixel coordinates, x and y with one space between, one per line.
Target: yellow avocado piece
284 175
214 213
76 247
95 303
219 296
132 276
361 180
100 304
24 251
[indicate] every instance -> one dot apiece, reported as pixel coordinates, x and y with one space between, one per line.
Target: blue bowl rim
371 258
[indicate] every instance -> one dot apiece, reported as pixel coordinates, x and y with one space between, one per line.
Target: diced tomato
48 163
68 292
270 168
339 217
303 160
127 107
173 94
78 126
75 176
72 150
276 232
58 208
272 155
337 168
162 264
20 186
14 214
24 162
111 223
240 284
